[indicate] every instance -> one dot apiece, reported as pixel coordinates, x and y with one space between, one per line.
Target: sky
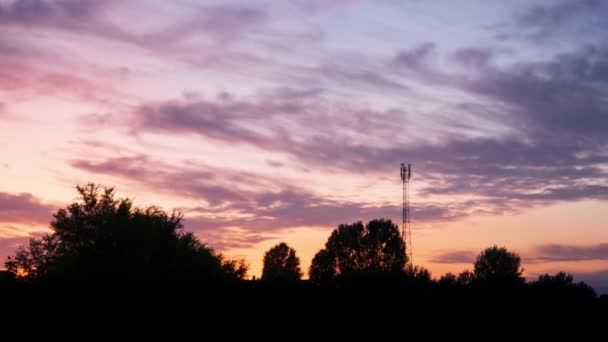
269 121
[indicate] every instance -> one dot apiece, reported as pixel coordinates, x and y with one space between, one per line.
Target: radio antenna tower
406 230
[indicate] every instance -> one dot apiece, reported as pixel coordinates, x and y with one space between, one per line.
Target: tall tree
497 266
357 250
281 264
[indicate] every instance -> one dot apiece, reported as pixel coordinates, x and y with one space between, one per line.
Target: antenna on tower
406 230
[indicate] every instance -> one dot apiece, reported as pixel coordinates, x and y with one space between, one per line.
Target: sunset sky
268 121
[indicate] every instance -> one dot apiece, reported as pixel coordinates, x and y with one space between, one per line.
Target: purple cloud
227 238
24 208
131 167
323 5
364 79
90 19
556 154
418 57
191 183
473 56
557 252
455 257
553 110
43 12
574 16
228 22
274 163
558 99
559 12
258 211
219 120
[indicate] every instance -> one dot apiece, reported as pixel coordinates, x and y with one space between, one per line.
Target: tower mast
406 230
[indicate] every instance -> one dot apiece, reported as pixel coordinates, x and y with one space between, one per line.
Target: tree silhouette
496 266
356 250
323 267
562 284
465 278
281 264
419 277
101 236
559 280
448 280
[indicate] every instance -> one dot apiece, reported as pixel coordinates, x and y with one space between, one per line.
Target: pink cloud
24 208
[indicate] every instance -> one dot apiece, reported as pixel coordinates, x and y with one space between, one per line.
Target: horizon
266 122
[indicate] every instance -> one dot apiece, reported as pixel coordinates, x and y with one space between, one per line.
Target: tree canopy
497 266
355 250
102 236
281 264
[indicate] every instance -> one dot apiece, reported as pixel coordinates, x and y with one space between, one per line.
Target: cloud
28 70
511 136
191 183
559 253
231 120
273 212
226 238
17 211
222 24
230 21
559 12
222 120
555 151
559 148
45 12
271 205
581 17
131 167
360 78
417 57
473 56
455 257
558 99
274 163
319 5
24 209
84 17
104 23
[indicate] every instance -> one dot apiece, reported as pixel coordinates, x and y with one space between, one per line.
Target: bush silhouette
281 264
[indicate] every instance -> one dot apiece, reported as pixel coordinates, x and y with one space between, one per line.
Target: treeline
109 264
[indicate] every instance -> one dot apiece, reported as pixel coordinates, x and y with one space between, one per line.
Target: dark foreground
252 309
